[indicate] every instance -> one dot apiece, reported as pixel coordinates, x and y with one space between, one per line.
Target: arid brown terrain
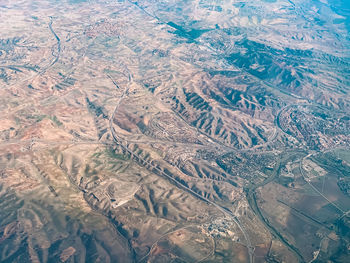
174 131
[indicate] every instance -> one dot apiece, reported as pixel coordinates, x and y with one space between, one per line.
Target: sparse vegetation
174 131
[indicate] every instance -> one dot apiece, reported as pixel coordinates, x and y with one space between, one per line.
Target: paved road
160 172
31 142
